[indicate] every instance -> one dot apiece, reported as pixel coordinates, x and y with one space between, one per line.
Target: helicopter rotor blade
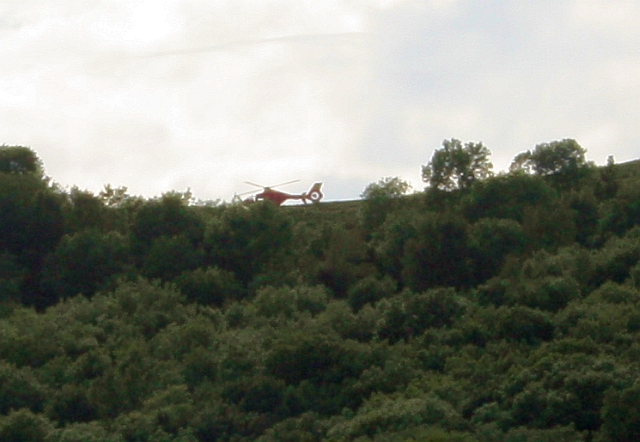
254 184
284 184
247 193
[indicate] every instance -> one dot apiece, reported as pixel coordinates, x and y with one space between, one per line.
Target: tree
84 263
457 166
19 388
410 314
507 196
30 214
114 197
621 414
209 286
169 256
11 277
250 241
370 290
31 223
439 255
608 185
378 200
84 211
24 426
563 159
168 216
387 187
19 160
490 241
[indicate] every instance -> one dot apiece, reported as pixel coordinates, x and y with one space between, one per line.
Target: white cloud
618 18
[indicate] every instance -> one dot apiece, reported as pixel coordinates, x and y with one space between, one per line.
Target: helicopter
314 194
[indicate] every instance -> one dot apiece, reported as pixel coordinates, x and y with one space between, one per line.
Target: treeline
497 308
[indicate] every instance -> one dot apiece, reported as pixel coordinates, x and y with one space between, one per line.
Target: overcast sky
161 95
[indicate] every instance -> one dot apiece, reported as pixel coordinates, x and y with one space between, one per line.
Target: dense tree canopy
505 312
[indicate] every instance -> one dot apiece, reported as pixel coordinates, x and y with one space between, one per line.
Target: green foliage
505 312
457 166
608 184
84 263
388 243
604 323
340 318
308 427
27 340
614 261
564 160
585 205
410 314
379 199
564 389
170 256
31 223
555 434
523 324
370 290
491 241
622 213
288 302
84 210
544 281
30 214
382 414
343 261
250 241
24 426
550 227
621 414
438 255
166 216
551 158
209 286
11 278
149 306
111 197
19 160
71 404
19 388
507 196
614 293
386 188
83 432
319 369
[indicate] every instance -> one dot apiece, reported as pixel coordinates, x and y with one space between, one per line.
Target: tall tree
457 166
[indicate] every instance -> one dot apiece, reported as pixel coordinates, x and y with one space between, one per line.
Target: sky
203 95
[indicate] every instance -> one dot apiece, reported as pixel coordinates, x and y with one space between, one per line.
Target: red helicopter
314 194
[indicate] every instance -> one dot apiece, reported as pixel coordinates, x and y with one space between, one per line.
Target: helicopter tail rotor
315 193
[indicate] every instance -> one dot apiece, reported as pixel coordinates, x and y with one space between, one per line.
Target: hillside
504 311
